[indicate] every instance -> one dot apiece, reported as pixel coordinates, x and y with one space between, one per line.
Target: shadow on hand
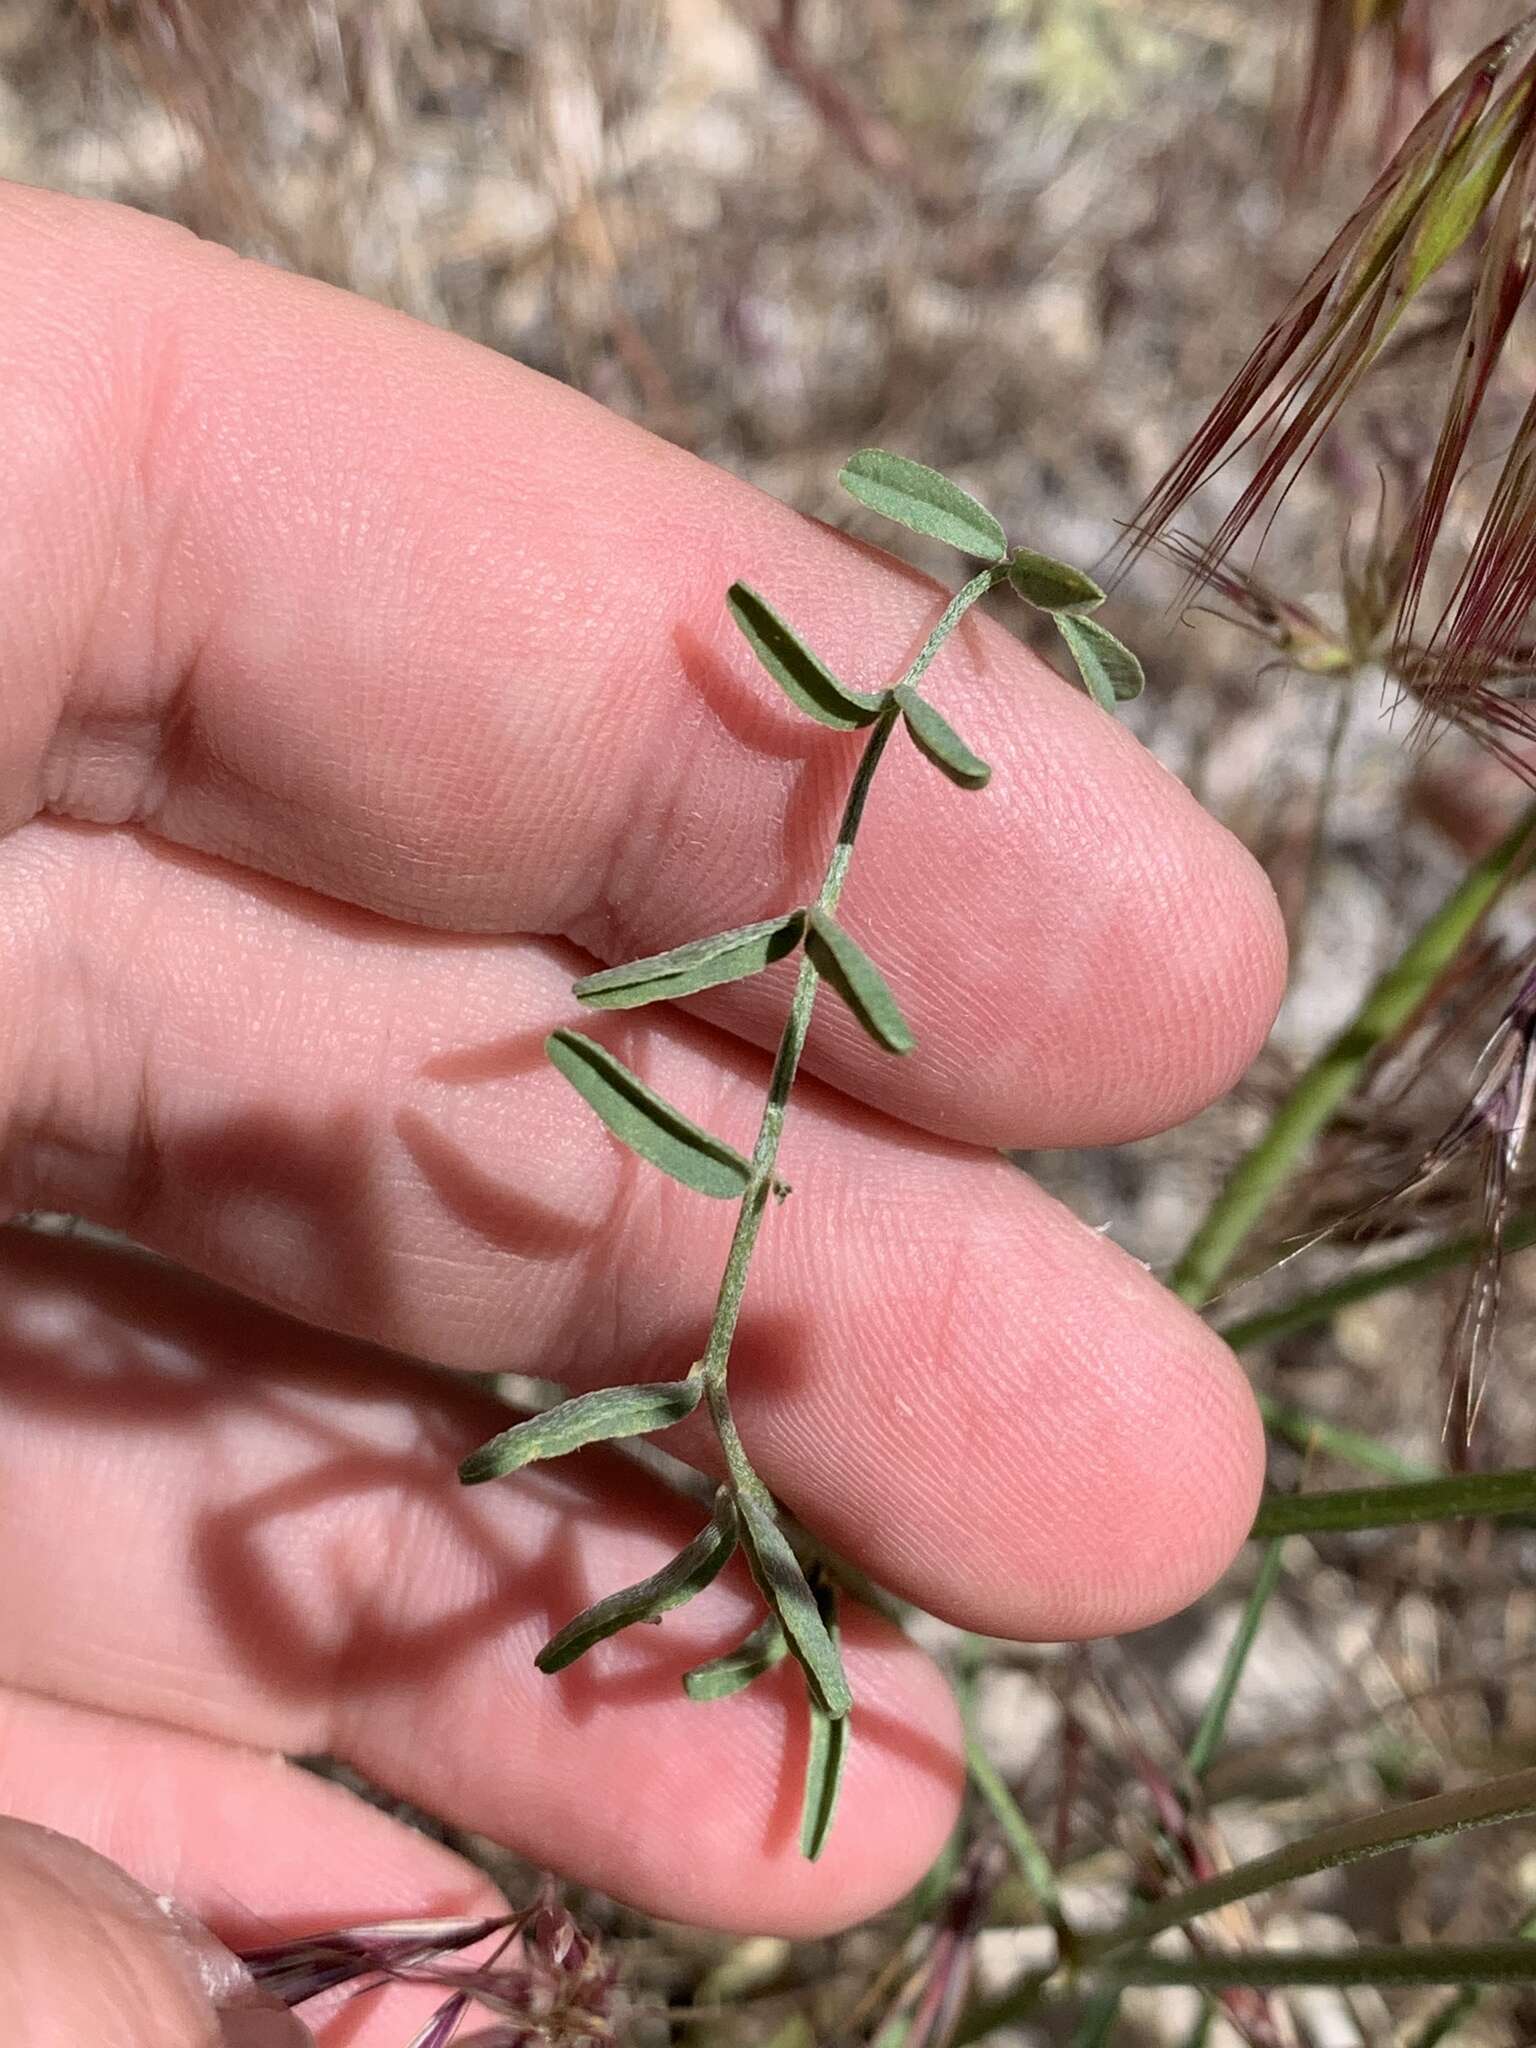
330 1475
316 1472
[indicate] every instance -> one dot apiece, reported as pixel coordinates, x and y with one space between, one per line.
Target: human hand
359 689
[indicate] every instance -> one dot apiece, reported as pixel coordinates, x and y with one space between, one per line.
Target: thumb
86 1954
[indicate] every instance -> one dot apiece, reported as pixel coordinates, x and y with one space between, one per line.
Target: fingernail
252 2026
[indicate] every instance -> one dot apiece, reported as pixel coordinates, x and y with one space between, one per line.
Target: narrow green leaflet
849 969
828 1752
594 1418
640 1119
689 1573
936 738
918 497
1052 586
703 963
785 1587
1111 673
801 675
824 1765
752 1658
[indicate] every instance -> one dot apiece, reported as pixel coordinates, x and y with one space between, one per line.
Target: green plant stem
1097 2023
715 1363
1309 1432
1247 1194
1420 1820
1438 2027
1323 1087
1485 1962
1308 1310
1394 1507
1327 786
1200 2033
1023 1998
1033 1863
1213 1721
950 617
1207 1738
797 1025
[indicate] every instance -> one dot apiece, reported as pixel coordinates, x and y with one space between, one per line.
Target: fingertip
1155 981
898 1804
1169 1454
89 1954
1188 1473
1216 966
906 1776
1050 1444
1086 956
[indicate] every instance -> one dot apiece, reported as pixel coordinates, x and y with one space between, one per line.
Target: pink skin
136 1967
357 689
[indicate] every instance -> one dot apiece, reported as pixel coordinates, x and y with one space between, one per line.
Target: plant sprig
801 1619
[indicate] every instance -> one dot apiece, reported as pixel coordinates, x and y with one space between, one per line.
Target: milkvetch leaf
642 1120
803 677
688 1573
1052 586
937 738
1111 673
918 497
754 1656
595 1418
828 1751
785 1587
841 961
701 964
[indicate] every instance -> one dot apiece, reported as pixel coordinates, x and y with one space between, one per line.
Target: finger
318 590
253 1845
936 1363
89 1955
248 1845
266 1543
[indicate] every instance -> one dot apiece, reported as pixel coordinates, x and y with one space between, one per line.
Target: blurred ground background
1027 241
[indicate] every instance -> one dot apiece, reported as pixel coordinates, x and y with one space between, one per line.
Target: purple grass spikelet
1495 1122
556 1986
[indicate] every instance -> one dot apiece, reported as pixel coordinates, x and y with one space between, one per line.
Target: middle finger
355 1121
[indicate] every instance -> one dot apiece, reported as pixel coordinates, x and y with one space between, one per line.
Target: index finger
310 587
